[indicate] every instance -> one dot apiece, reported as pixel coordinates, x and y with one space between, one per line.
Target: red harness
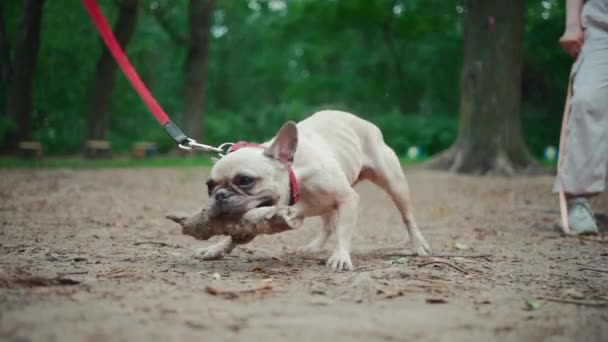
294 195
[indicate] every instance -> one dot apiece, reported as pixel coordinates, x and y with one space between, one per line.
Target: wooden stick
72 273
234 293
443 255
590 238
575 302
587 268
443 263
254 222
563 203
159 243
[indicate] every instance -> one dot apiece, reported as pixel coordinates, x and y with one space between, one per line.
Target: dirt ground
89 256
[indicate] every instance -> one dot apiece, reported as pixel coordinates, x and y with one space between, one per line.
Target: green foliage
396 63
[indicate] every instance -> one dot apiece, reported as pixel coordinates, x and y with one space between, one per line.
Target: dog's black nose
221 195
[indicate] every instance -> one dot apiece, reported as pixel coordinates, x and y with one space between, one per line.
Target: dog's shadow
280 264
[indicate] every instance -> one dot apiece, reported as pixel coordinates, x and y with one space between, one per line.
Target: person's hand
572 40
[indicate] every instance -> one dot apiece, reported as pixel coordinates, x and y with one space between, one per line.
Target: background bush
396 63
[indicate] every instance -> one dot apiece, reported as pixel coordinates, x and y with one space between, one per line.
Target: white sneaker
580 217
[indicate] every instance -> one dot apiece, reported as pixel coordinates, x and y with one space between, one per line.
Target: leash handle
563 206
121 59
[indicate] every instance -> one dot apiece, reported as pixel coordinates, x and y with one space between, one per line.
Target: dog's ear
285 143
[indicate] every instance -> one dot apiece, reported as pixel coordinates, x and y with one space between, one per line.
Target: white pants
585 155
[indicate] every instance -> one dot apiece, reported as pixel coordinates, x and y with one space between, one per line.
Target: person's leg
585 157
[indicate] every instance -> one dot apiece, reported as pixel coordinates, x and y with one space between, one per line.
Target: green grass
405 161
123 162
548 163
199 160
116 162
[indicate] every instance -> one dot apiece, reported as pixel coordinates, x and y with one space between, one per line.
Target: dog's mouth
269 202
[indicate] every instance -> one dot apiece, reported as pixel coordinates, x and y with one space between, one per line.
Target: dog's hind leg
316 244
386 172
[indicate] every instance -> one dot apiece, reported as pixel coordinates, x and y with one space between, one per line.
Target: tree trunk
490 135
406 104
101 90
5 62
200 17
21 76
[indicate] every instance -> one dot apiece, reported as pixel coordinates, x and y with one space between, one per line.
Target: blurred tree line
395 62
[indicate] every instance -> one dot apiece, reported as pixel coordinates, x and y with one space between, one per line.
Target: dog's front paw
209 253
340 261
420 247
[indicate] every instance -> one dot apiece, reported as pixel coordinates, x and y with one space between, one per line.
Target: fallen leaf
461 246
394 295
436 300
399 261
320 301
572 293
532 305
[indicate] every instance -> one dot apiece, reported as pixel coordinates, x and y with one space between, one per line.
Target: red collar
294 195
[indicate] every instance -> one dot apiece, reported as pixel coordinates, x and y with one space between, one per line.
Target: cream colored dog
329 153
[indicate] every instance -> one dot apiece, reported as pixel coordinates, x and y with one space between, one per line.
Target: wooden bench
30 149
95 149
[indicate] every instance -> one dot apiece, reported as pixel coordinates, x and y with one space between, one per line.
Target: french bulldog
328 153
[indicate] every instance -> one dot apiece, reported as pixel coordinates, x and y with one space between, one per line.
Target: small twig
16 246
230 294
590 238
443 263
72 273
112 272
575 302
442 255
587 268
159 243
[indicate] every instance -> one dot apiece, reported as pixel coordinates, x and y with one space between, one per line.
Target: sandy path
86 225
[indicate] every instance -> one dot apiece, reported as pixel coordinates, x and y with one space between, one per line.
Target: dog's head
253 177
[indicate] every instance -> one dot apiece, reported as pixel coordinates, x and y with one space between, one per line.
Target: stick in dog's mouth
201 226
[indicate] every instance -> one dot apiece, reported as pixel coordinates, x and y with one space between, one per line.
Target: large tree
200 21
200 18
490 134
19 73
101 89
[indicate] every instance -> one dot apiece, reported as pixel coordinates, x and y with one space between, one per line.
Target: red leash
123 62
176 134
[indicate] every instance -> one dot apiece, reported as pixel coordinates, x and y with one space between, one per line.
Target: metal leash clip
225 149
194 145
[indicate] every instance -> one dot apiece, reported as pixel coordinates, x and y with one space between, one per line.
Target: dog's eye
210 185
243 181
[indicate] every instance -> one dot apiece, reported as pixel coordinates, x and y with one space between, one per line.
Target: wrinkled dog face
252 177
241 181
